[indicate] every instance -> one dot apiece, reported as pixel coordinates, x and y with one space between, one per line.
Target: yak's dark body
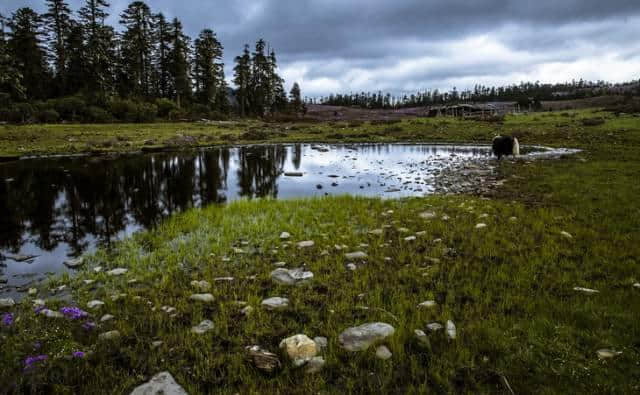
505 145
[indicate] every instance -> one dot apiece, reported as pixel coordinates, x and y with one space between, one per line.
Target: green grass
508 287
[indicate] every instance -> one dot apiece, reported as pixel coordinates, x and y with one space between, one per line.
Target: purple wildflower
78 354
37 345
32 360
73 313
38 309
88 325
7 319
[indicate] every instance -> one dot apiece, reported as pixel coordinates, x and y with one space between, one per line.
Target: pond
54 209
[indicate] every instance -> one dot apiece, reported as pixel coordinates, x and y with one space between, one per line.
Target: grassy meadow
508 286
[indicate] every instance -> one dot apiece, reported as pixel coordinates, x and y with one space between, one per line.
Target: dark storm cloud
414 44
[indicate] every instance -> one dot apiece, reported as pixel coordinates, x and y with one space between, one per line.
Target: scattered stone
566 234
168 309
481 226
421 336
201 285
51 313
285 236
263 359
451 330
410 238
223 279
586 290
606 353
204 298
247 310
382 352
362 337
428 215
321 342
636 285
95 304
156 344
107 317
203 327
403 230
117 272
74 263
352 267
275 303
280 264
97 269
293 174
111 335
32 291
513 219
160 384
38 302
7 302
315 365
299 348
427 304
88 282
291 277
434 326
352 256
377 232
306 244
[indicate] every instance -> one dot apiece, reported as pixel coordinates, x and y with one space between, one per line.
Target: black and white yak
505 145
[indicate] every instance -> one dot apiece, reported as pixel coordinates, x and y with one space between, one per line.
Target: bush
98 115
593 121
165 107
147 112
69 108
123 110
178 114
48 116
21 113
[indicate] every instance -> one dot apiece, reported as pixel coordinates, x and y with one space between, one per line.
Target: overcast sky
410 45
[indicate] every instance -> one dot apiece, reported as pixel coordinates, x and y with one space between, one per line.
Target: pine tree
160 57
208 70
76 63
28 54
100 56
137 44
10 77
179 67
259 87
278 96
58 24
296 99
242 79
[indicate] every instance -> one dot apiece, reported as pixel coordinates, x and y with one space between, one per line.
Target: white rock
95 304
451 330
285 236
382 352
566 234
421 336
636 285
160 384
117 272
223 279
38 302
376 232
97 269
106 317
481 226
362 337
156 344
607 353
275 303
74 263
586 290
306 244
427 304
291 277
352 267
247 310
314 365
111 335
352 256
434 326
300 348
32 291
201 285
321 342
51 314
428 215
88 282
7 302
513 219
204 298
410 238
203 327
280 264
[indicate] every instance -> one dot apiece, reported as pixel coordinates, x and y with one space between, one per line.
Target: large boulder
160 384
361 337
299 348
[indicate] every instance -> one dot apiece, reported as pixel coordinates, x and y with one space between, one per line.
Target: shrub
178 114
123 110
21 113
146 112
165 107
48 116
97 115
593 121
69 108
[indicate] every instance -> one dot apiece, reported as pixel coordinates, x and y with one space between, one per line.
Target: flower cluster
73 313
30 361
7 319
78 354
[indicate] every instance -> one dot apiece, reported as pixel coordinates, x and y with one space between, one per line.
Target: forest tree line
71 66
525 94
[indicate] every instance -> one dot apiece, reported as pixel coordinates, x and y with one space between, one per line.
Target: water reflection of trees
79 200
259 168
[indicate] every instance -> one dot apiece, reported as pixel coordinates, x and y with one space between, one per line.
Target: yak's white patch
516 147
